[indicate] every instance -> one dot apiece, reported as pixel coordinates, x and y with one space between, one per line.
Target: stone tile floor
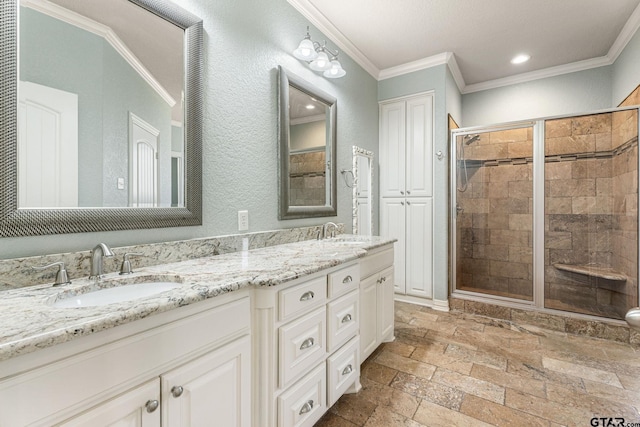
458 369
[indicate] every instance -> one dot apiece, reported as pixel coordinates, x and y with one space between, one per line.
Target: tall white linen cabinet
406 192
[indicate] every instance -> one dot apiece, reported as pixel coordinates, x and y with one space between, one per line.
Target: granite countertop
29 322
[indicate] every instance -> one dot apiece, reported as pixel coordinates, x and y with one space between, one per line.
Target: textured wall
625 71
245 41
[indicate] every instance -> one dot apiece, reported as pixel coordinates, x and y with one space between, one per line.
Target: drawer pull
347 279
347 370
152 405
307 407
309 342
383 279
176 391
307 296
346 319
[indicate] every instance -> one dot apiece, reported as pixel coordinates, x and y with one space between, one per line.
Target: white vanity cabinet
187 367
376 300
306 346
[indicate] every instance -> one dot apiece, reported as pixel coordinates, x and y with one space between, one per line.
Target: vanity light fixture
519 59
317 55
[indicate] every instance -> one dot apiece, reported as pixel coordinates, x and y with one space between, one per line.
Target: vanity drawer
376 262
344 280
305 402
302 344
302 298
343 369
343 320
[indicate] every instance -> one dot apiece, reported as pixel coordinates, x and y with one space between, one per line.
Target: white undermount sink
115 294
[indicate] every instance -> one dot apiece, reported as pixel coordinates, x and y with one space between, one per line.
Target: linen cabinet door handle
307 407
346 318
307 296
347 370
176 391
152 405
309 342
347 279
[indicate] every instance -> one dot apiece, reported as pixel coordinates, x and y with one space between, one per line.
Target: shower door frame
538 232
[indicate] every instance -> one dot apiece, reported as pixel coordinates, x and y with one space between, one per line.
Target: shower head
470 139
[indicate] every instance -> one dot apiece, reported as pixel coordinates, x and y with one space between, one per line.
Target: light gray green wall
564 94
626 71
245 41
431 79
107 88
307 135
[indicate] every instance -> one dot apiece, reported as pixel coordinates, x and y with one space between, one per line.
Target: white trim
84 23
627 32
539 74
410 67
441 305
455 71
308 119
314 16
176 123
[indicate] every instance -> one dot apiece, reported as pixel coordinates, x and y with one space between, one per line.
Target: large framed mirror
307 149
101 116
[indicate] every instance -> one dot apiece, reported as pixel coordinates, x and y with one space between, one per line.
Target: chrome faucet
101 250
326 227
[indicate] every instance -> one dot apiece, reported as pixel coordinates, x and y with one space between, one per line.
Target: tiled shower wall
307 179
591 212
494 234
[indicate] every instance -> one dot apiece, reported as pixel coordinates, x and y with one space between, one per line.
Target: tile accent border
555 322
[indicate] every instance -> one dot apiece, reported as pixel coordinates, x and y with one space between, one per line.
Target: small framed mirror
307 149
362 191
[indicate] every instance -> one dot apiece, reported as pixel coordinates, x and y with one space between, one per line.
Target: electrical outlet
120 183
243 220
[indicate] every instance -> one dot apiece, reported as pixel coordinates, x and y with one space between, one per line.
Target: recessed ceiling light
520 58
310 107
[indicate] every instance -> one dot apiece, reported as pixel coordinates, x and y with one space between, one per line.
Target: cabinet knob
408 202
347 370
176 391
347 279
309 342
402 192
307 407
152 405
307 296
408 192
383 279
346 318
402 203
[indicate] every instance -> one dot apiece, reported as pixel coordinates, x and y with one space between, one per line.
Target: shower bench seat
593 271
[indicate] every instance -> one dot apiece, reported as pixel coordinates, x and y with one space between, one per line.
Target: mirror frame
285 211
361 152
16 222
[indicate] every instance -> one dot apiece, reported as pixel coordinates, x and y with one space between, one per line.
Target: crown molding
87 24
410 67
314 16
308 119
455 71
627 32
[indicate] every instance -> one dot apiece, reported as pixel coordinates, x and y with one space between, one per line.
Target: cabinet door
214 389
419 147
364 216
368 313
135 408
385 306
392 149
392 224
419 247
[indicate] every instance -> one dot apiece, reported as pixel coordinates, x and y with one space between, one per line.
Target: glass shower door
494 213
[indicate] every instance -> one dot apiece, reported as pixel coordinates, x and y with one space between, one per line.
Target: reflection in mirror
99 108
307 140
362 191
102 108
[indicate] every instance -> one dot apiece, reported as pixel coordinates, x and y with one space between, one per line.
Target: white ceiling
390 37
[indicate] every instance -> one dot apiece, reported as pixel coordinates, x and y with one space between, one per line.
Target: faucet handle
125 268
62 278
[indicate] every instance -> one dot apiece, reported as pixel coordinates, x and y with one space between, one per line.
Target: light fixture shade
305 50
335 71
321 63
